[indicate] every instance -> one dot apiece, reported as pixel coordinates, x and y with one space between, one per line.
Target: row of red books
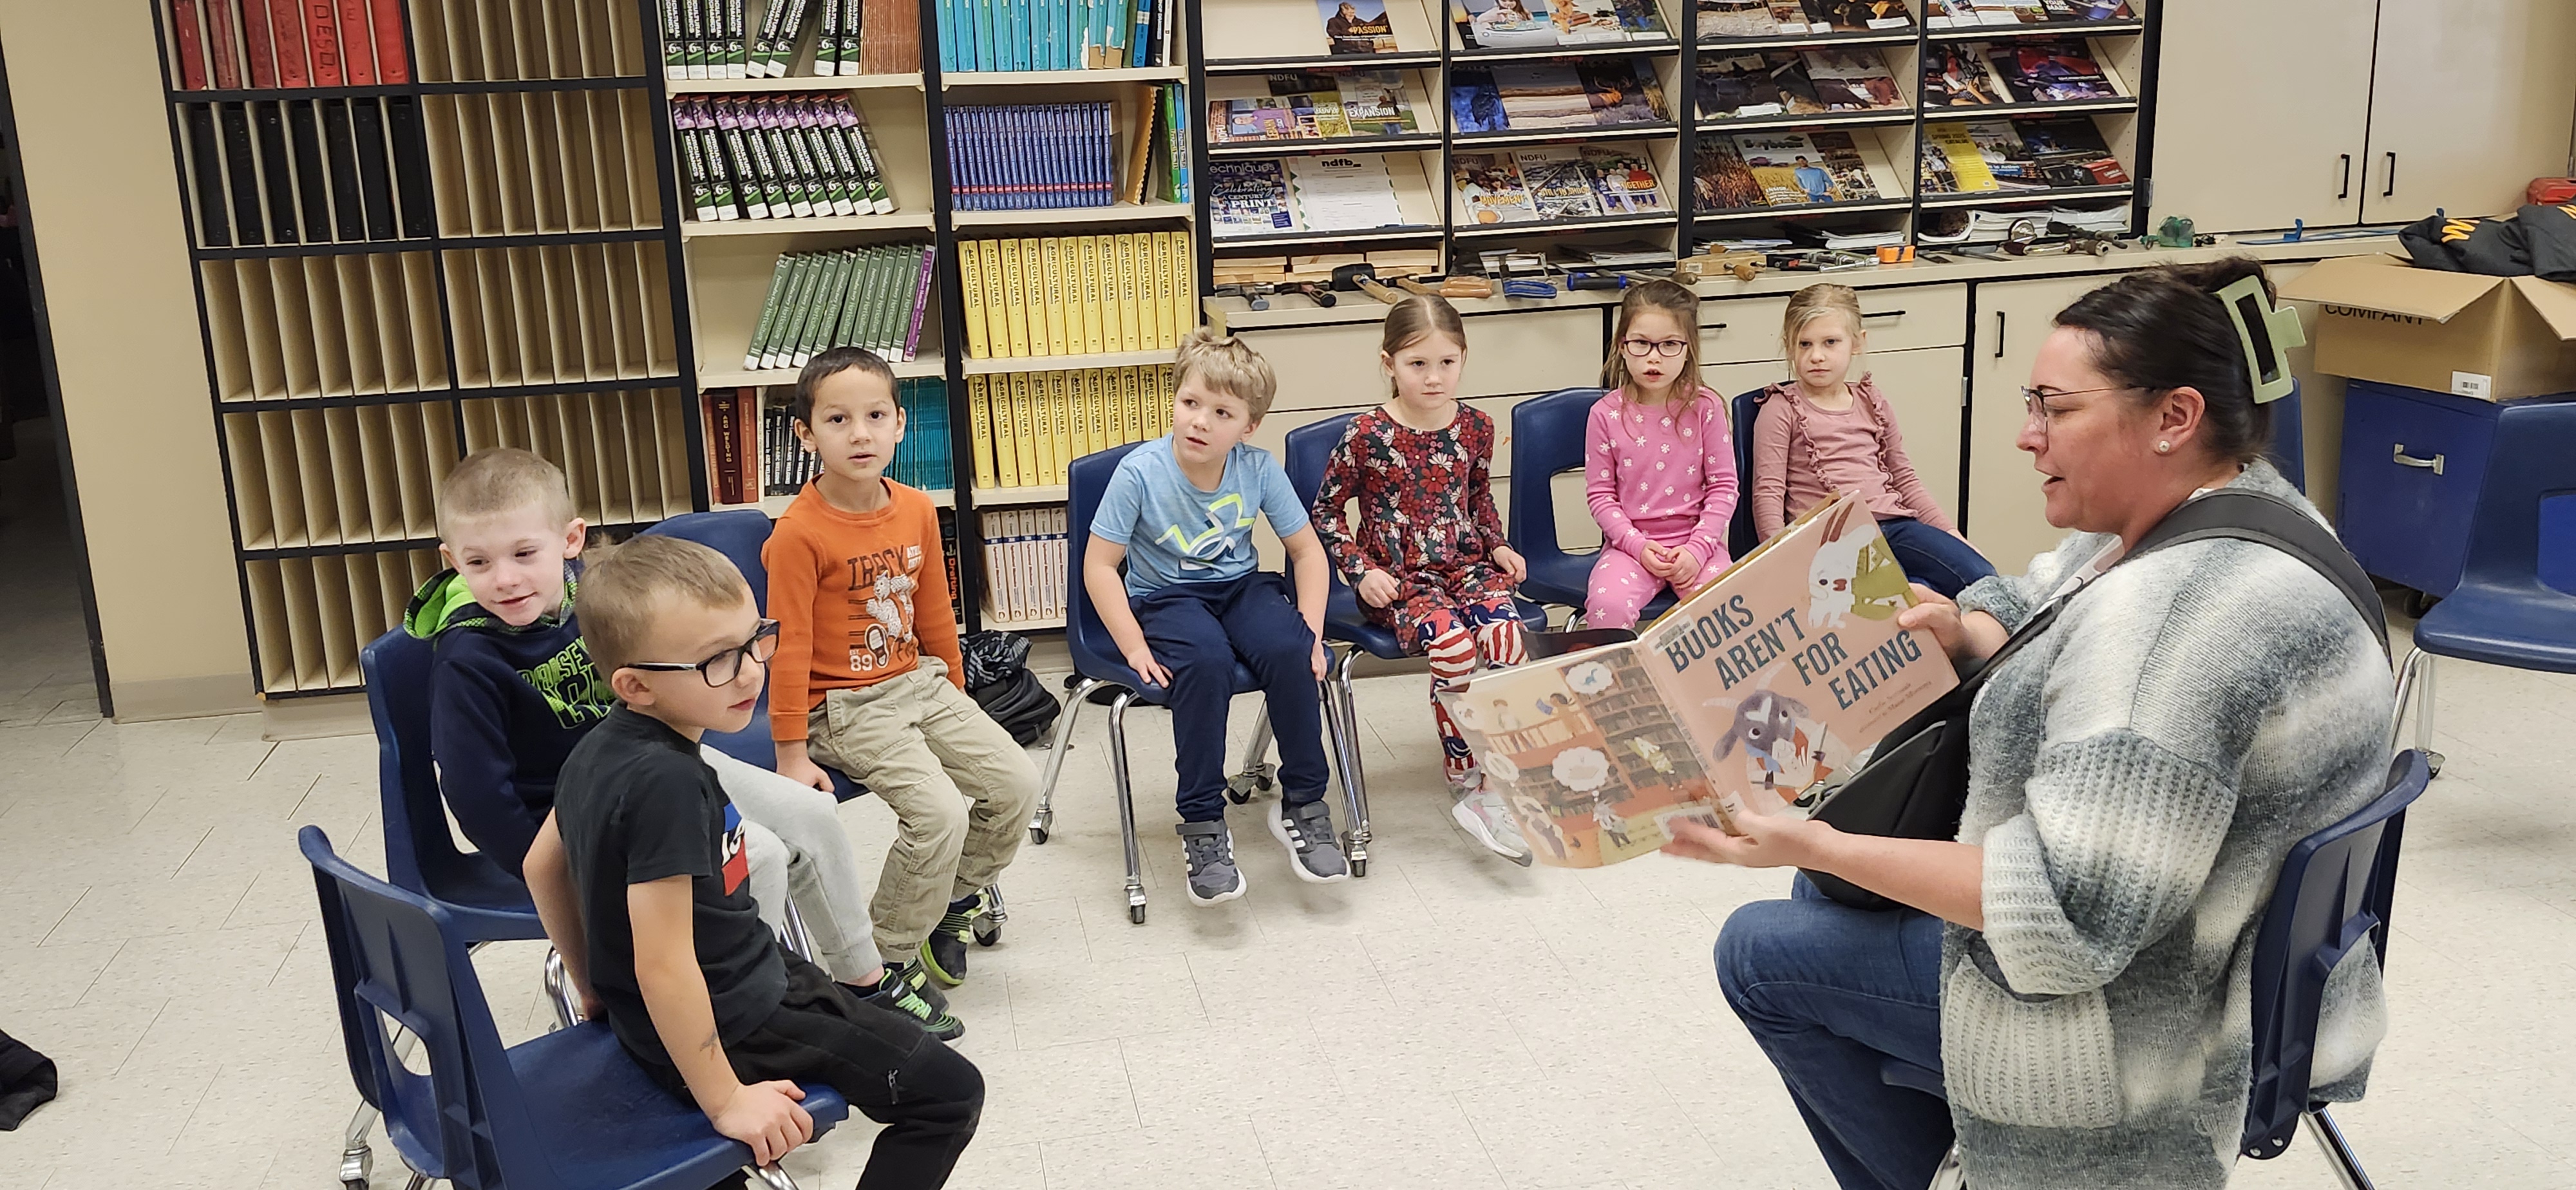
229 44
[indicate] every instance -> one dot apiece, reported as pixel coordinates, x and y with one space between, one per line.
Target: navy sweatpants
1198 631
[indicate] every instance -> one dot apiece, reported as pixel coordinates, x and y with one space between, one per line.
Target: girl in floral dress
1426 553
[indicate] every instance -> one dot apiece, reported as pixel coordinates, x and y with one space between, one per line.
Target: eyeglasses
1658 348
2037 411
724 667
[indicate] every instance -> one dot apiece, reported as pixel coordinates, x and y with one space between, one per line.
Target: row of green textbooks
875 297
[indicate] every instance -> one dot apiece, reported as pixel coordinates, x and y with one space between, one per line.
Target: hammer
1450 287
1256 296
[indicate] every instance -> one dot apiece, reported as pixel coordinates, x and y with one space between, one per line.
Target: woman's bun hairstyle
2164 328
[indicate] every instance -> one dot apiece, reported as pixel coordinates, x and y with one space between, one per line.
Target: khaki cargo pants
960 787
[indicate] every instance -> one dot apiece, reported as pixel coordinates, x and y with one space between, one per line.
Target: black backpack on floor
998 677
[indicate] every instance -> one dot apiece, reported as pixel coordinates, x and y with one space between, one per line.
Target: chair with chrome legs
566 1111
1547 441
1307 452
2516 602
2334 894
1098 667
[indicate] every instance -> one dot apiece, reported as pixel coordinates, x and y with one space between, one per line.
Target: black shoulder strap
2269 520
2233 513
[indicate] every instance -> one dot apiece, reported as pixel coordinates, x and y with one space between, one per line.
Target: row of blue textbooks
1005 35
1032 156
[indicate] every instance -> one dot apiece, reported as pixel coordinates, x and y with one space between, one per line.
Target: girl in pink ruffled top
1821 433
1659 464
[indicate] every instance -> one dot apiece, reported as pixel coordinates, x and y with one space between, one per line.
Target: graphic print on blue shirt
1204 547
1178 532
737 863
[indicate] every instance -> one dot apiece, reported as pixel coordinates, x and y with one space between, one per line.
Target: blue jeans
1832 993
1934 558
1198 631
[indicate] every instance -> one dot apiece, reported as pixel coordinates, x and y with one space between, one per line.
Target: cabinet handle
2391 179
2346 191
1714 326
1883 314
2404 459
1999 334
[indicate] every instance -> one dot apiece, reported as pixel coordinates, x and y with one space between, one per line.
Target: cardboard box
2493 338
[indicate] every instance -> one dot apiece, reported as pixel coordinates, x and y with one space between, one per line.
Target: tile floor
1450 1021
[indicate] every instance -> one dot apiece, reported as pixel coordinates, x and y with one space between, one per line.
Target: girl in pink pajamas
1659 463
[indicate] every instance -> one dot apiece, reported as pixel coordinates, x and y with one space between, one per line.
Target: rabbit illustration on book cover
1853 573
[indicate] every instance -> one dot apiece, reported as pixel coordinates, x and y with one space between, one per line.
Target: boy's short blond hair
1229 365
626 585
497 480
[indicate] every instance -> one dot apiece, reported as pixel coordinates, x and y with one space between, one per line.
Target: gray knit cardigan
2135 776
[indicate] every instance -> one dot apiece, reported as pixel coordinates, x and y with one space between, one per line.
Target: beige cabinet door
2251 134
2005 517
2471 99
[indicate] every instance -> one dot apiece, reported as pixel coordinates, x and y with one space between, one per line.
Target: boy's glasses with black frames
724 667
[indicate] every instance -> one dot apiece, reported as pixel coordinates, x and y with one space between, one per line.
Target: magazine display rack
421 229
1727 96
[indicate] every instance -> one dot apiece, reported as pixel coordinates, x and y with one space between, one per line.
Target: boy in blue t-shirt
1179 513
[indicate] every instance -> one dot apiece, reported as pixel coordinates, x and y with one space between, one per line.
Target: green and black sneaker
943 953
904 998
915 977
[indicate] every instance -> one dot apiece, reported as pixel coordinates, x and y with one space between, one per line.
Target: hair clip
2267 366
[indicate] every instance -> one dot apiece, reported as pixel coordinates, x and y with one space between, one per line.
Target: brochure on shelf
1357 26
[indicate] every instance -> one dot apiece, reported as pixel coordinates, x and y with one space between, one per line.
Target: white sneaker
1480 813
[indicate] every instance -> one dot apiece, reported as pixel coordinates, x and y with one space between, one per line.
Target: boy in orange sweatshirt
869 679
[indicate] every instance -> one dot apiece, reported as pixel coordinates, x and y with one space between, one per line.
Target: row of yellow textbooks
1030 426
1024 566
1076 295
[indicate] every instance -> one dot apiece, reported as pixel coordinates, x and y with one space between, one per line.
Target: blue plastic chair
567 1111
488 903
739 534
1098 665
1740 534
484 901
1547 441
2516 602
2289 449
2333 894
1308 452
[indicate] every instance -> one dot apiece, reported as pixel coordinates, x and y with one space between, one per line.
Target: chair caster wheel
1038 835
2432 765
1242 787
355 1165
1359 866
1136 914
987 931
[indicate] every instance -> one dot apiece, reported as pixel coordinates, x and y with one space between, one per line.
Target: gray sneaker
1314 851
1209 850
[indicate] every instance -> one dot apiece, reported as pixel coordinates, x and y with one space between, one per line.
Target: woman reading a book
2075 964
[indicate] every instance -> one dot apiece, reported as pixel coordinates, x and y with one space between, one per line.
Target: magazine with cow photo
1737 702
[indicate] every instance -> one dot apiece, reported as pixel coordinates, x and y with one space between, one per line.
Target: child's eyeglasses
1658 348
724 667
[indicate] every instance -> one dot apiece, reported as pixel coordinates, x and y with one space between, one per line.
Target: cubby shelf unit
389 276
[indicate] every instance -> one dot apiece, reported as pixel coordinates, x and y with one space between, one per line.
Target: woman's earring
2164 448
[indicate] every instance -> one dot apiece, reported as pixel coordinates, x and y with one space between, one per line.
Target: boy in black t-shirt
640 877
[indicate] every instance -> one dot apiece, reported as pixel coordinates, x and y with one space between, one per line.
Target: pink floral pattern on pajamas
1659 474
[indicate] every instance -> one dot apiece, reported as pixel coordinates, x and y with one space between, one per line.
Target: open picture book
1761 685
